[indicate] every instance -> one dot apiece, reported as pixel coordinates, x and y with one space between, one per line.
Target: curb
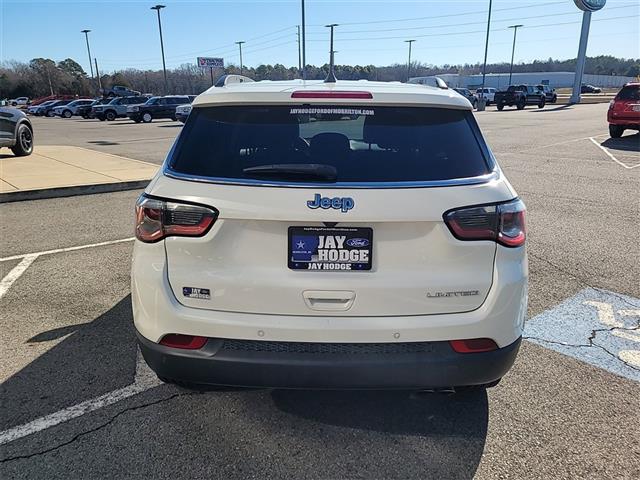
72 191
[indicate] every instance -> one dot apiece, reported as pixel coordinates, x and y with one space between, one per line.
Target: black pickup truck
520 96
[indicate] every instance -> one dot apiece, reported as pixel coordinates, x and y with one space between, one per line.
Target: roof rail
225 80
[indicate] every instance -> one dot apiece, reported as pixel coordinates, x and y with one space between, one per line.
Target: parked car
71 108
16 131
84 111
520 96
120 91
48 110
116 108
466 93
589 89
549 93
624 110
183 111
157 107
39 108
19 101
385 283
488 93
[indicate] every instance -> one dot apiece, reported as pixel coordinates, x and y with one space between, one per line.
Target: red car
624 110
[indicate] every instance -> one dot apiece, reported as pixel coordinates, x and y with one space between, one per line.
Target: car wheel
520 105
500 106
86 117
67 114
110 115
51 113
137 120
616 131
554 99
146 117
101 119
542 103
175 119
24 141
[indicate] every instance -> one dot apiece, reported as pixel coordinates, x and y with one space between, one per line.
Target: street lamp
513 50
157 8
482 102
331 76
304 58
240 47
409 62
86 36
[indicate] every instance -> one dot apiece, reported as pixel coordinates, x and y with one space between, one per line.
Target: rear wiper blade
312 170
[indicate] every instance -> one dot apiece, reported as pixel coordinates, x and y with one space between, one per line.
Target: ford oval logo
358 242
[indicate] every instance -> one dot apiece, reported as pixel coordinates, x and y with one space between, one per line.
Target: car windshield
152 101
630 92
355 144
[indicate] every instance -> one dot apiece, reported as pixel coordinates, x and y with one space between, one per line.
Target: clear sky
125 33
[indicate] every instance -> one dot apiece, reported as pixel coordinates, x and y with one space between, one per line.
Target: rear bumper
287 365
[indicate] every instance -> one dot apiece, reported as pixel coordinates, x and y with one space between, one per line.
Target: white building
555 79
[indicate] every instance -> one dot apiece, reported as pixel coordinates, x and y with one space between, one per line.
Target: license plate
330 248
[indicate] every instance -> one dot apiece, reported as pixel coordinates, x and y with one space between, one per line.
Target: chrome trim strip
494 175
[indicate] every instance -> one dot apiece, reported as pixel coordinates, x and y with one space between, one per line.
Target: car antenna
331 76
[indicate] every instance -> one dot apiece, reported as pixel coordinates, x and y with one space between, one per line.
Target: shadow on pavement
559 108
627 143
96 358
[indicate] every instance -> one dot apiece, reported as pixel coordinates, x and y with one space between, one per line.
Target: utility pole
409 61
299 51
240 46
331 77
304 58
157 8
98 74
86 36
513 49
481 103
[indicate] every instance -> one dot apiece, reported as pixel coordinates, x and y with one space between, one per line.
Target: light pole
299 52
157 8
513 49
86 36
331 77
481 103
409 62
304 58
240 46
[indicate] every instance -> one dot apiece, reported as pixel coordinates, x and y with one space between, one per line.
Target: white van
489 94
330 235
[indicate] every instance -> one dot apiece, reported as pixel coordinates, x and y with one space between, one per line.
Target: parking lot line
67 249
15 273
595 142
144 379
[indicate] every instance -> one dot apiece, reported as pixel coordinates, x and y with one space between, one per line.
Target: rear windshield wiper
294 170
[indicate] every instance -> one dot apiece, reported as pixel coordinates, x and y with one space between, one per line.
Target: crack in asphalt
582 280
592 344
99 427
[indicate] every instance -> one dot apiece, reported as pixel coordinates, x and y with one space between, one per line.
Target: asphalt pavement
76 403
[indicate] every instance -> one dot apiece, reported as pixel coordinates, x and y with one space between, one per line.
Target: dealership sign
590 5
210 62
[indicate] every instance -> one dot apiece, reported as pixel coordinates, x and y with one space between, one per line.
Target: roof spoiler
225 80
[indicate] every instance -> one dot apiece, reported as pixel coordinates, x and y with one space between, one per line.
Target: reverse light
473 345
331 94
503 223
185 342
157 219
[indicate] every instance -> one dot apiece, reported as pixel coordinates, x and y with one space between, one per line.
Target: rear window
357 144
630 92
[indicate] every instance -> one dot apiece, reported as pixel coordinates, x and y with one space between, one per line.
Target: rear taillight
611 104
503 223
473 345
185 342
157 219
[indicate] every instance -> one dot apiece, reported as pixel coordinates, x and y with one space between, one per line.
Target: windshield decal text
331 111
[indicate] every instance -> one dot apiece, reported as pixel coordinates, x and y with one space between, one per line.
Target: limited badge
193 292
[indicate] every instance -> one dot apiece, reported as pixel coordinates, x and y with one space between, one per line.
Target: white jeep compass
330 235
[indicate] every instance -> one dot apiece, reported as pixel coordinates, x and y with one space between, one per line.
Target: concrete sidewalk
65 170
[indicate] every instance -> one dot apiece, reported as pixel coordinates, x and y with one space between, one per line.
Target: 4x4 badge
339 203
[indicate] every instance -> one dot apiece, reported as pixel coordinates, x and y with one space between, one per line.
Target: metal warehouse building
555 79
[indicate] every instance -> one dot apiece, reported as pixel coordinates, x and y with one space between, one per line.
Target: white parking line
595 142
144 379
15 273
68 249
